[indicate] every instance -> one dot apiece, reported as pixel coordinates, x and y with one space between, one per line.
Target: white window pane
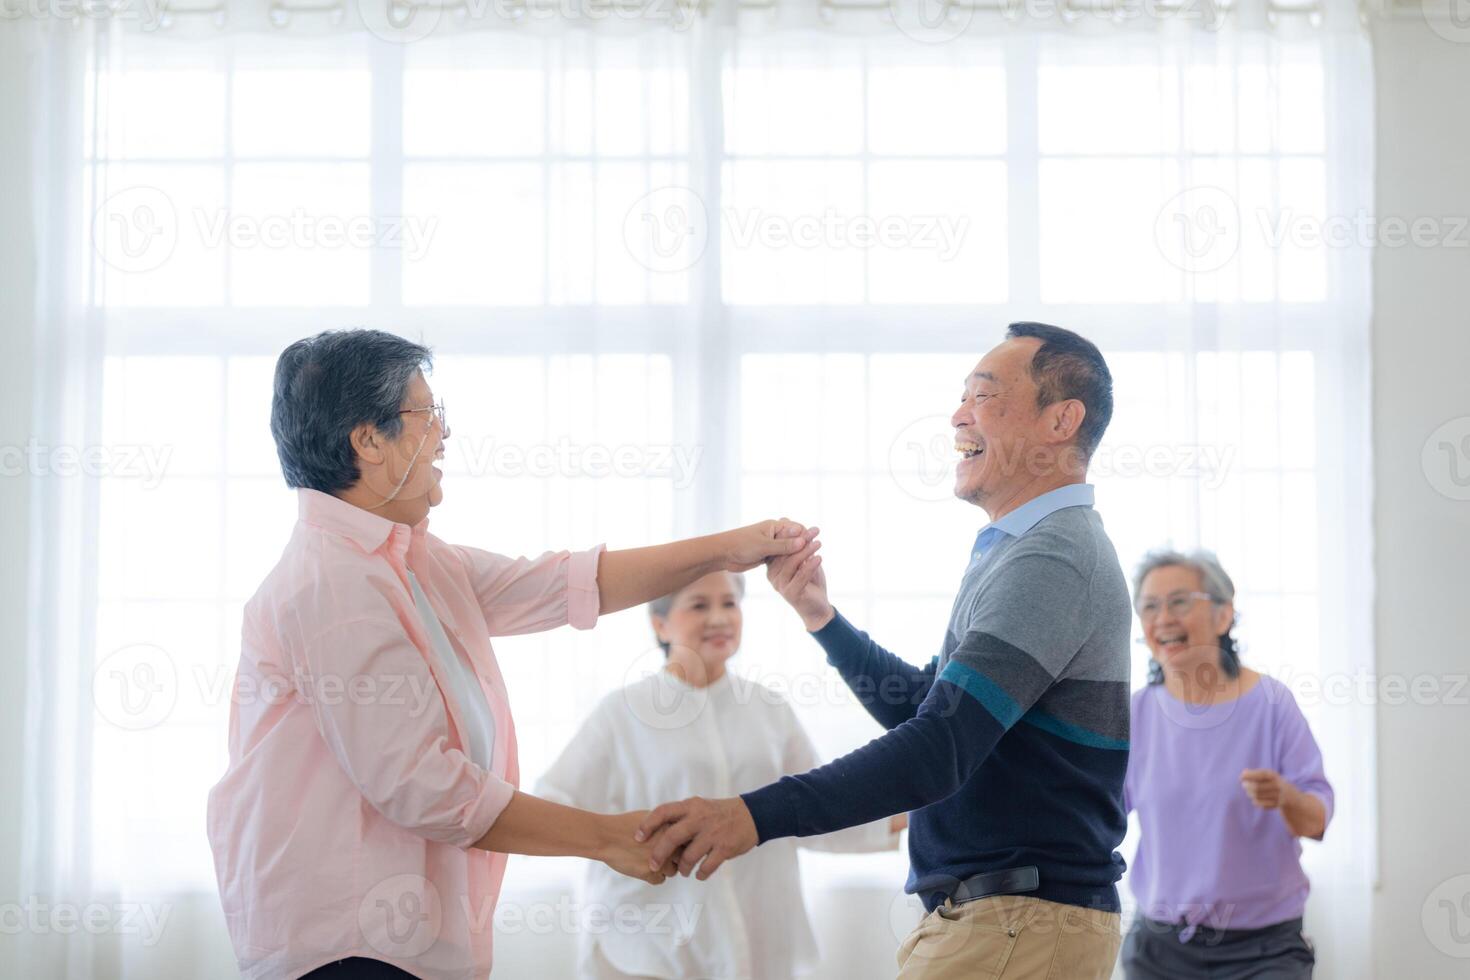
936 110
153 541
787 233
1210 97
787 105
1098 227
1255 108
1107 109
496 405
1302 257
302 112
1298 410
162 418
626 233
302 235
942 232
253 546
489 238
165 114
813 431
639 111
919 546
151 787
910 400
149 226
474 112
250 449
1301 107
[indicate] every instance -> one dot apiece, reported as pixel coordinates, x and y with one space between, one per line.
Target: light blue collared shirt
1029 514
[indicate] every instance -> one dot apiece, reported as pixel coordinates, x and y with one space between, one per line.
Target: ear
368 443
660 628
1066 419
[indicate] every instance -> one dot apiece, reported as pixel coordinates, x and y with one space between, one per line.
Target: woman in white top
694 729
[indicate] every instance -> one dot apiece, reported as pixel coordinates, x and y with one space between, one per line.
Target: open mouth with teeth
968 450
1171 641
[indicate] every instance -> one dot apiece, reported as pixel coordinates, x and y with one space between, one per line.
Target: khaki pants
1011 937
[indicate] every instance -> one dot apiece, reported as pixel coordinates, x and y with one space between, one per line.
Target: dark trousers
1152 951
358 968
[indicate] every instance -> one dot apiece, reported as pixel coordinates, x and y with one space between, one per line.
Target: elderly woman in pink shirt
362 825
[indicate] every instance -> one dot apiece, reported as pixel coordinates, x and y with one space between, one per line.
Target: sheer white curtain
680 271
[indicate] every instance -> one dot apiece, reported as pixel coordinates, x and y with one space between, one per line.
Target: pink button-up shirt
343 824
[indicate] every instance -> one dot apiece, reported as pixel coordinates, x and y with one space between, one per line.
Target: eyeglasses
1178 604
438 409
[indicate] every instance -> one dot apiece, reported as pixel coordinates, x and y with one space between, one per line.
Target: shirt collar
1029 514
362 527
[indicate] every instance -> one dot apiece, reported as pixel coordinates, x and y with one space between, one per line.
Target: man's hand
626 855
799 579
698 829
746 547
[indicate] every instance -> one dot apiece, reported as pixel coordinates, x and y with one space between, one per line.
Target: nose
961 416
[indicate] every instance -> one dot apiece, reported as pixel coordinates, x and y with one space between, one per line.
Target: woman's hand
625 855
800 581
1305 813
747 547
1265 787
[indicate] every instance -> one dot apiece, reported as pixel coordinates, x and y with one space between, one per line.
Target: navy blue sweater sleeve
888 686
919 762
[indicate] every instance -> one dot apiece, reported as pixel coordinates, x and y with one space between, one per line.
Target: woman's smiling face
1180 624
705 618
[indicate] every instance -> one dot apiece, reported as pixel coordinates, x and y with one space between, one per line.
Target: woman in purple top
1225 776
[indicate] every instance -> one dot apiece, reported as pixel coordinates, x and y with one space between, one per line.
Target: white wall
15 419
1421 377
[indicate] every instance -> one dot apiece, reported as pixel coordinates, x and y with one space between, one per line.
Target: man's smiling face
997 422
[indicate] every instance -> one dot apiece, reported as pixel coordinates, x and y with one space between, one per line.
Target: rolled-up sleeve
383 719
528 595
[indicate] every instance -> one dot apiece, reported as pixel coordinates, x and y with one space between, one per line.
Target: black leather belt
1010 881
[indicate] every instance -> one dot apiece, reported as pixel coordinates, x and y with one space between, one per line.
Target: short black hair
328 385
1068 365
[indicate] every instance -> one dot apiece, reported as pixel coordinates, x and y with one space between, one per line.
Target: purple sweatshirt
1208 855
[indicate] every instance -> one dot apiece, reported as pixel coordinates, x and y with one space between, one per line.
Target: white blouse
660 740
460 683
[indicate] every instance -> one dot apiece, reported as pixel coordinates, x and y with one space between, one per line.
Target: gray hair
660 607
328 385
1213 579
1214 582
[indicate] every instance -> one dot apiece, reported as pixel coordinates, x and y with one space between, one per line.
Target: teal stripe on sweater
982 689
1073 733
